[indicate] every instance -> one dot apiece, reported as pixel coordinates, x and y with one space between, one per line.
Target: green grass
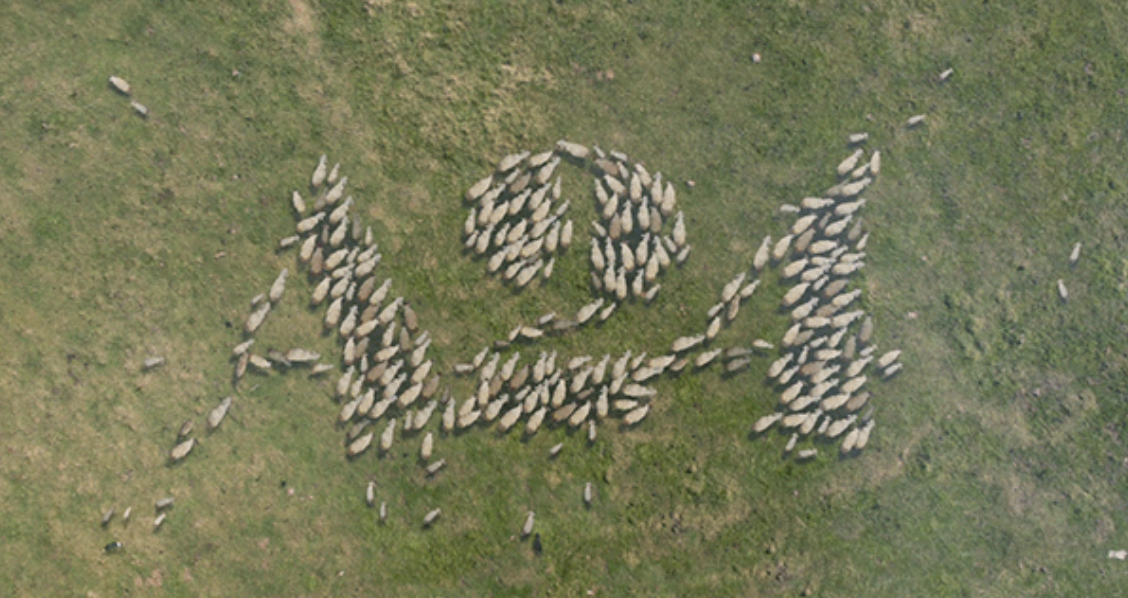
997 467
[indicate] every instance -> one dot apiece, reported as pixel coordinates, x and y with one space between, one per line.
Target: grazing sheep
254 321
730 290
679 230
430 518
477 190
215 417
1075 254
1062 291
685 343
527 529
853 384
714 328
435 467
360 445
766 422
387 436
181 450
803 223
119 84
636 415
795 294
914 120
867 330
863 435
849 163
888 358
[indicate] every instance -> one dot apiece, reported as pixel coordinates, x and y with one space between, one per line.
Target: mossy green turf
998 464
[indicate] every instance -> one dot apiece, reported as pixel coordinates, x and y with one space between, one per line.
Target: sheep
795 294
853 384
387 436
704 359
848 164
845 319
215 417
430 518
857 366
807 454
635 416
866 331
803 223
914 120
835 228
834 402
181 450
791 443
586 312
575 150
534 422
777 366
729 291
527 529
714 328
254 321
159 520
766 422
360 445
891 370
336 192
435 467
863 435
804 310
888 358
1075 254
679 230
120 85
803 241
809 423
815 203
588 494
794 268
791 393
449 416
597 261
669 199
823 246
1062 291
737 364
478 189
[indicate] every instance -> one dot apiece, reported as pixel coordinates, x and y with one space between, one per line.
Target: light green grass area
998 464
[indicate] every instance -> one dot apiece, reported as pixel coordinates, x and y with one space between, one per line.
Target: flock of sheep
829 348
390 389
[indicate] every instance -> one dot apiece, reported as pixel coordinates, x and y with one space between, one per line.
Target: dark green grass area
998 464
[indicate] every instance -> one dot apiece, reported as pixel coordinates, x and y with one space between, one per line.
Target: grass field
998 467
